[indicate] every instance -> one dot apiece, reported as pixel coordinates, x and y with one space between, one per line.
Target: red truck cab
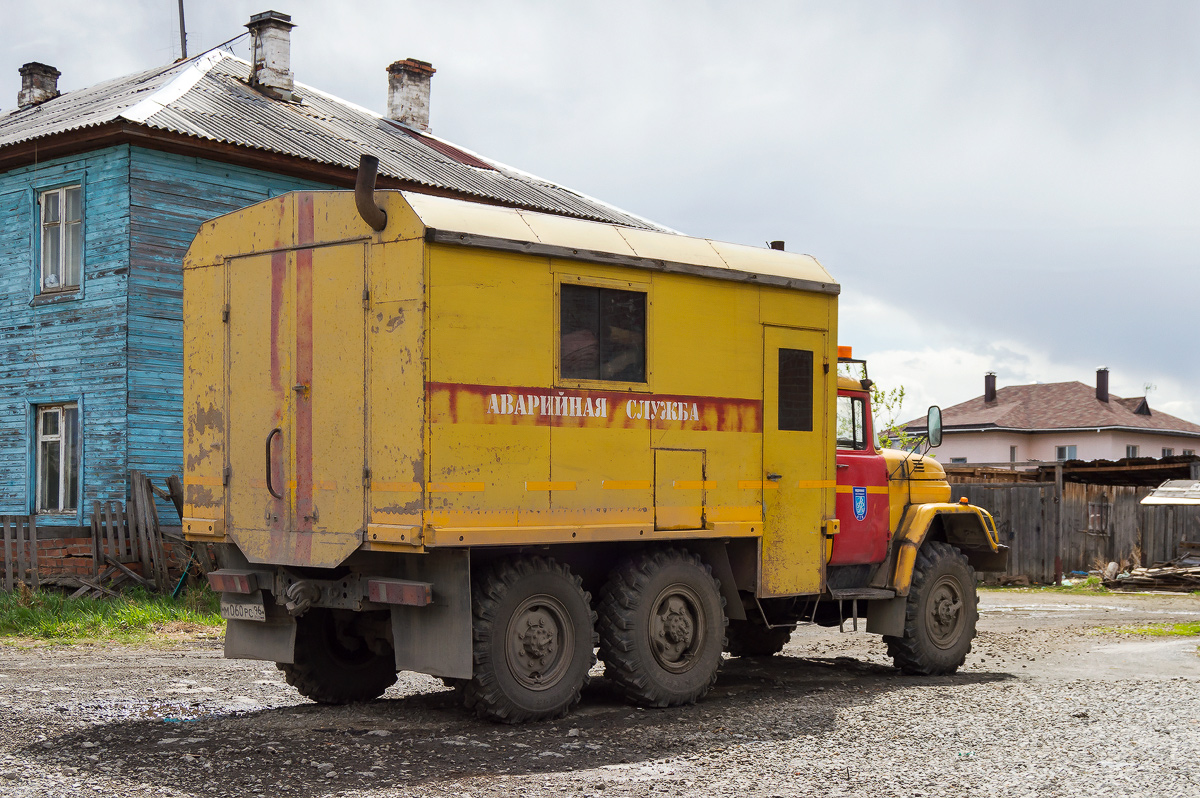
862 480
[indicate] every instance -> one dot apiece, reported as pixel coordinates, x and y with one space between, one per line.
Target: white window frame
53 277
66 503
1189 452
958 461
1065 453
1132 450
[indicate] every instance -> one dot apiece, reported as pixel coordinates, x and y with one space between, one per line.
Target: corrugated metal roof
1175 491
208 97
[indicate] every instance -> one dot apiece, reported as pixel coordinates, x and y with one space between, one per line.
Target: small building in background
1057 422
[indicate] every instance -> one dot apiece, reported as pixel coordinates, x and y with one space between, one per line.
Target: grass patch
1191 629
1091 586
136 616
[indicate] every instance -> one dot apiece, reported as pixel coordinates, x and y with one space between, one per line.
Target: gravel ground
1051 703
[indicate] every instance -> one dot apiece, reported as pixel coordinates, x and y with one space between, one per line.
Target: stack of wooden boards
1181 574
126 541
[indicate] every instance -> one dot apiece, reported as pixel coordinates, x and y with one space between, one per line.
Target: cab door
296 405
796 460
862 494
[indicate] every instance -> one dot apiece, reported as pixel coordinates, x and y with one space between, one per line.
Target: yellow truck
483 443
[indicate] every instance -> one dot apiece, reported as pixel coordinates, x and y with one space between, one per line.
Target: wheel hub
539 631
677 629
945 617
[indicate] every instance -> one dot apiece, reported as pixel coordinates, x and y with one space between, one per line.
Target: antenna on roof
182 34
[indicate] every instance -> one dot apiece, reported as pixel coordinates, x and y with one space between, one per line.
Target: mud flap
273 640
436 639
886 616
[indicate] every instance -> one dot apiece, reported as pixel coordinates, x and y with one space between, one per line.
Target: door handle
271 487
774 477
843 465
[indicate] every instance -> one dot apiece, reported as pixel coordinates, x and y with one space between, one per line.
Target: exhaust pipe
364 193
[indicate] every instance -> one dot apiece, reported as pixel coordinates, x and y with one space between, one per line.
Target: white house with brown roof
1058 421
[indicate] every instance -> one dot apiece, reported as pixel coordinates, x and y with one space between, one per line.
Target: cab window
851 423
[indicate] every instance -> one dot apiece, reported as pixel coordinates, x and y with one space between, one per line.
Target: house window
62 238
1189 452
1012 454
602 334
57 458
958 460
1131 451
1168 452
851 423
1062 453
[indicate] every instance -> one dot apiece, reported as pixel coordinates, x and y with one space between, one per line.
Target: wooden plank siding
68 350
116 347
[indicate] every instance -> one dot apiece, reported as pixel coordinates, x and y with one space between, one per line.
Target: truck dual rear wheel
534 641
334 666
754 639
662 628
940 616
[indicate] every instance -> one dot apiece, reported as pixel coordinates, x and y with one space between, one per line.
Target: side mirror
933 423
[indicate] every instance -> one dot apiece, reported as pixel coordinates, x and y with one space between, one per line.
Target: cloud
1012 186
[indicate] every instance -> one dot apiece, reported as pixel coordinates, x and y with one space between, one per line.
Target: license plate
247 609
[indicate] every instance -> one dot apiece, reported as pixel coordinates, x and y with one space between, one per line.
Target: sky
997 186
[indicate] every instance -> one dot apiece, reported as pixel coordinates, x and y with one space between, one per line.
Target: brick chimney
408 92
39 82
271 54
1102 384
989 387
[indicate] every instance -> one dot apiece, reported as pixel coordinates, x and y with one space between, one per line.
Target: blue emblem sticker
860 503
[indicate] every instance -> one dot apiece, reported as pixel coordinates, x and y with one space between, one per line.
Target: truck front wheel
662 628
534 640
940 615
333 665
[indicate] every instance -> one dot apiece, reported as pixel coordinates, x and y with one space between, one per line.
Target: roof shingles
1056 405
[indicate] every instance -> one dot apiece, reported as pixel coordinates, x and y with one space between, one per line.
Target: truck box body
475 376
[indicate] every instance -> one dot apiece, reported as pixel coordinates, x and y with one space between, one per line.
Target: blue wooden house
102 190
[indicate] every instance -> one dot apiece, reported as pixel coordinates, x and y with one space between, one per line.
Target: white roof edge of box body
490 226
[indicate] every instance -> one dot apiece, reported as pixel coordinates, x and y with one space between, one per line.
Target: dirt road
1048 705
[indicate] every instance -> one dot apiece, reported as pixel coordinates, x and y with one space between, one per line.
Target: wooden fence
1099 524
20 550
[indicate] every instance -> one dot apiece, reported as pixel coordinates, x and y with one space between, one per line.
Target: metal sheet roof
1175 491
208 97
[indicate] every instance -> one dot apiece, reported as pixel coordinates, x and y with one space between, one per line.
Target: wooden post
8 555
97 536
20 544
1058 523
33 551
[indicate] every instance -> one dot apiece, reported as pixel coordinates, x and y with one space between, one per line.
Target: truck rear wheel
534 641
940 615
334 666
662 628
755 639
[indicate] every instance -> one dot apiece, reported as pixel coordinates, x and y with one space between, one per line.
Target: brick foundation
59 557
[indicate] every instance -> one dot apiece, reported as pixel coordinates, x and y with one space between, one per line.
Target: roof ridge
173 89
